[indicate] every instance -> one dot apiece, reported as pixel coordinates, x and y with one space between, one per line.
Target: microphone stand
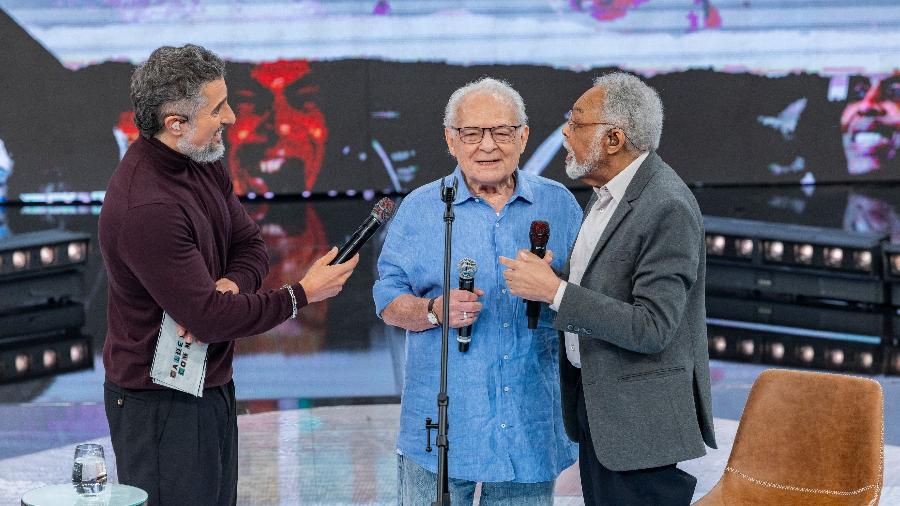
448 194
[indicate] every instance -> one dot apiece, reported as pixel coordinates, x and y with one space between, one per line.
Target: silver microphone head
467 268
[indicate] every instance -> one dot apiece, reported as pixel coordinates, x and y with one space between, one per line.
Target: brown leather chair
806 438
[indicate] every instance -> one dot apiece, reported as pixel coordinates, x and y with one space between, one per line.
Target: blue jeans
417 486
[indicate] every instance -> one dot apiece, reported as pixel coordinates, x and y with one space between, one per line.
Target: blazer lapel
621 210
643 175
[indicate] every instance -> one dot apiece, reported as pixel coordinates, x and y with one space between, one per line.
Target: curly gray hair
170 82
500 90
634 107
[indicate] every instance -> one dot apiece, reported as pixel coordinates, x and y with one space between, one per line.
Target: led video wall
348 96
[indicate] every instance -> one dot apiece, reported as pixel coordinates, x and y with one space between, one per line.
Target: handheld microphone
539 235
467 269
381 214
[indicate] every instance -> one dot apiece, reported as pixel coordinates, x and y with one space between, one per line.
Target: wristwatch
432 316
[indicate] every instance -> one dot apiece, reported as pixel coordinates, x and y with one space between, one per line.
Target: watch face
432 318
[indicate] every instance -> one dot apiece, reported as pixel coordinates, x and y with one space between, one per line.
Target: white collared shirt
608 198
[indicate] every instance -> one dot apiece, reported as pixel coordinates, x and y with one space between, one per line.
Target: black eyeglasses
501 134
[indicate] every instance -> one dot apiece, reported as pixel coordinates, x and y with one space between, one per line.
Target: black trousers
179 448
666 485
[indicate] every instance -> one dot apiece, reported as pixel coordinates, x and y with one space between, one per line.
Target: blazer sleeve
664 271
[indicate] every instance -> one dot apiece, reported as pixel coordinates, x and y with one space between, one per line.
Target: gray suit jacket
641 319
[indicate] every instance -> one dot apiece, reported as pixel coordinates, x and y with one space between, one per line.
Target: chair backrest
812 432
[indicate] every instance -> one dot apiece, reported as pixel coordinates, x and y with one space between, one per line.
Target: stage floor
340 454
345 455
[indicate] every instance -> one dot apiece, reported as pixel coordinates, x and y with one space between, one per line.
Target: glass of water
89 469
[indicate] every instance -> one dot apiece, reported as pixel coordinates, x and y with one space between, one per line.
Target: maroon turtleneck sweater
169 228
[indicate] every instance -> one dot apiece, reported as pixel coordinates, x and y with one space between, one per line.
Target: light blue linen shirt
505 422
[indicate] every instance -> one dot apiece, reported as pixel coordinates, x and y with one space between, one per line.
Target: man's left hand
530 276
225 285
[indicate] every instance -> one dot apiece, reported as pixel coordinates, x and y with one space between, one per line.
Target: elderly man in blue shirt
505 425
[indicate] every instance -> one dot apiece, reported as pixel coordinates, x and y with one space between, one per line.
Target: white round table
64 495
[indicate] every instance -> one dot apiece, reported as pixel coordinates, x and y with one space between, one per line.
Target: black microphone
381 214
467 269
539 235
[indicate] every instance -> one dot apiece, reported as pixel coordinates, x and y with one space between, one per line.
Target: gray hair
500 90
634 107
170 82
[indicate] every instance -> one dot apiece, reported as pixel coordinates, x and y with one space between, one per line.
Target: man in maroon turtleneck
175 238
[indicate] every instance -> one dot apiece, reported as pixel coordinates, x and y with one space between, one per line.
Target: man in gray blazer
635 375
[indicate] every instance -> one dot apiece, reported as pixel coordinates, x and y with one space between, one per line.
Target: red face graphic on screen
278 140
870 123
295 238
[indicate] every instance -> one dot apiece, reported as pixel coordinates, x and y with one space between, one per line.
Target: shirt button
120 402
506 389
568 327
497 225
503 290
572 347
505 357
502 425
505 324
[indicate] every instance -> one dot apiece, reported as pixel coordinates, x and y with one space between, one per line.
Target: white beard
577 170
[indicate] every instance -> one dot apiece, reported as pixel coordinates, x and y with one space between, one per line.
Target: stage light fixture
794 261
866 360
40 269
747 347
834 257
736 247
776 351
77 353
862 260
718 344
838 337
715 244
744 247
806 353
22 363
48 255
27 357
77 251
836 357
34 252
803 253
892 272
894 365
19 260
41 310
49 359
774 250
